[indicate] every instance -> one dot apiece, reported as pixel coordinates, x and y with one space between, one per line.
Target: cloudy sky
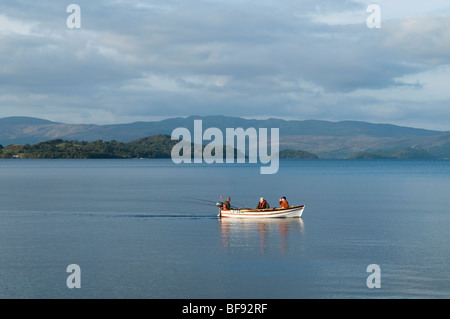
294 59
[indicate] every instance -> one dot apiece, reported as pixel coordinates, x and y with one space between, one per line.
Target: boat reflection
246 232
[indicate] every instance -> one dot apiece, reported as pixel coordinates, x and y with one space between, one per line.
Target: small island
296 154
401 153
156 146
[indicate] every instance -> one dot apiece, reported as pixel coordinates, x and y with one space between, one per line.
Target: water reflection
262 232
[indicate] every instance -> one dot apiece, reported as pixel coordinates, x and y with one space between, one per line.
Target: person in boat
283 202
262 204
226 204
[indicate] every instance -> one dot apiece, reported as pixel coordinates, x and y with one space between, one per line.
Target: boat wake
173 216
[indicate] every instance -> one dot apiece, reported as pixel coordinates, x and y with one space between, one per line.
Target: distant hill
22 120
323 138
29 130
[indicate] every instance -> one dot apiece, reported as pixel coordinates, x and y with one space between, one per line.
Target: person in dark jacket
262 204
226 204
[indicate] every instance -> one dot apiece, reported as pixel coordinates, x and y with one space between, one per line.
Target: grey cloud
247 43
173 58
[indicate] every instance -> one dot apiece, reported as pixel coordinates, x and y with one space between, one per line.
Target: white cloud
426 38
402 8
14 26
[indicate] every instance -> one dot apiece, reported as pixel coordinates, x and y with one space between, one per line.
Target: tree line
156 146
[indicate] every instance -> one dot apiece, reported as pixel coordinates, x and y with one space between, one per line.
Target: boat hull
295 211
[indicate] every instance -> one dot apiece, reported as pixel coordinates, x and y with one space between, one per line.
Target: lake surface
137 229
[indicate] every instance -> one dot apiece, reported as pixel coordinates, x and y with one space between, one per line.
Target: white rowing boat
293 211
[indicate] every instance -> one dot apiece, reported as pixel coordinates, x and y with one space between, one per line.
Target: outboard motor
220 205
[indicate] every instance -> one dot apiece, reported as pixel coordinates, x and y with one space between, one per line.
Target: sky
136 60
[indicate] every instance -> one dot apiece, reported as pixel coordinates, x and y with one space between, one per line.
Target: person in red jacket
283 202
262 204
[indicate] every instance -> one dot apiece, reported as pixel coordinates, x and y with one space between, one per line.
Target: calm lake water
137 229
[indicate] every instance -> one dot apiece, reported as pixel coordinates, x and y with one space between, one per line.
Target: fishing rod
199 199
206 202
201 203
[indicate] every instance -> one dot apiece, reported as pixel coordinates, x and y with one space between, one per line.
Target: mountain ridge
325 138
